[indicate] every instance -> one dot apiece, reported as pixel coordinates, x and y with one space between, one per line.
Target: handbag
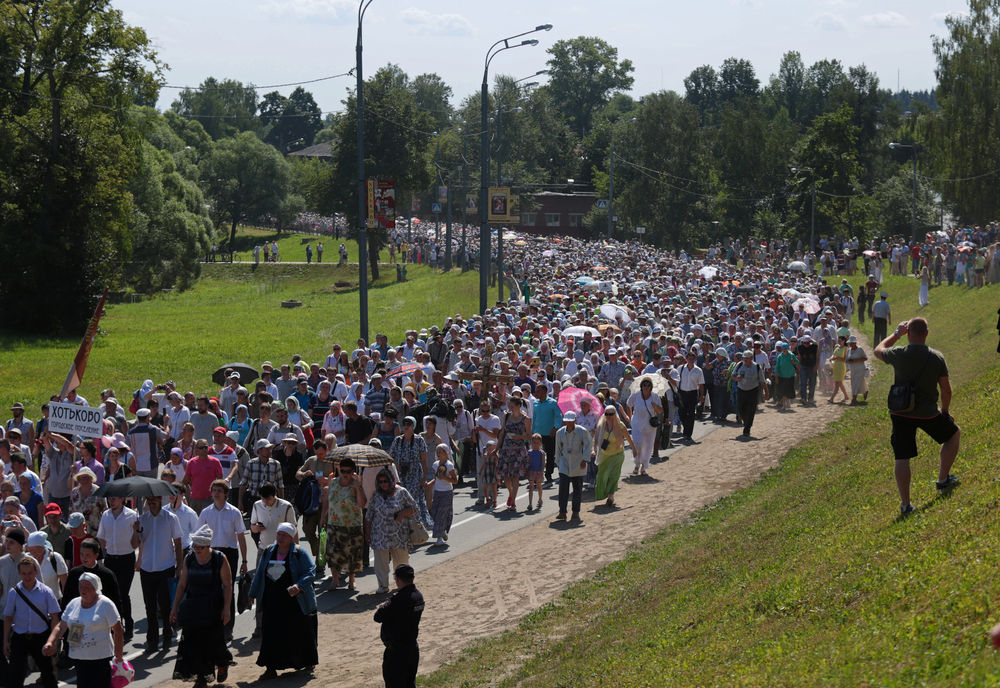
903 395
655 421
243 594
418 533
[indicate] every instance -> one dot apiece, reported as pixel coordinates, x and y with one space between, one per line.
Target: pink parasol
808 305
569 400
871 254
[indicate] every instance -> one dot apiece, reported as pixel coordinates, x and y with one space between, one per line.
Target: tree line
101 189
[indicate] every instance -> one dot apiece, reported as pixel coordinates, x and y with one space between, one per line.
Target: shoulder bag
903 395
654 419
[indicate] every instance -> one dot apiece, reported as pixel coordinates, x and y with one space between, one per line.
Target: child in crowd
536 466
488 474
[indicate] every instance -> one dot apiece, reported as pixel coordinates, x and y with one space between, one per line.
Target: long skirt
200 651
442 511
345 548
645 441
859 385
607 475
289 636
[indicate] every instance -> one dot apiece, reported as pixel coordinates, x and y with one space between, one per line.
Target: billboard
499 211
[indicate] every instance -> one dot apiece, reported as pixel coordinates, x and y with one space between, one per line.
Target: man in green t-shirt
925 370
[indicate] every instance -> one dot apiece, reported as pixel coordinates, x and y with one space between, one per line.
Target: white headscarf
202 536
92 579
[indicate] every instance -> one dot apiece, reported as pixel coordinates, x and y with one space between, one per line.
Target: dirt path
487 590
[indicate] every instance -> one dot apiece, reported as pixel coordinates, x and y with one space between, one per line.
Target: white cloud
829 22
939 17
437 24
311 9
884 20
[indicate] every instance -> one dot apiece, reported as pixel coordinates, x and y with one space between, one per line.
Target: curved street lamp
362 185
484 165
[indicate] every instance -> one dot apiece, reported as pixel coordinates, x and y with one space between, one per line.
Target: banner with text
385 203
76 420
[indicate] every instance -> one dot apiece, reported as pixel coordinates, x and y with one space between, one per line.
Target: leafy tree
396 142
583 74
67 151
968 132
222 107
787 87
245 179
432 95
894 199
293 122
701 88
737 81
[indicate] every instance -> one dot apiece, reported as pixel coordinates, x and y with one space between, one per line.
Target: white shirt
691 378
117 531
177 420
226 523
271 517
50 576
439 484
188 520
97 622
156 538
489 422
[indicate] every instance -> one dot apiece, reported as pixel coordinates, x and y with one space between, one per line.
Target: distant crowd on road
359 454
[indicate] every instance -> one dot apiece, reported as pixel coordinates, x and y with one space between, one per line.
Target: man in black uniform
400 619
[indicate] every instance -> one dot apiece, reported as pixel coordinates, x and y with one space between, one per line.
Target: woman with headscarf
334 423
83 498
201 606
856 362
94 632
388 514
282 583
241 422
296 416
611 439
409 453
357 397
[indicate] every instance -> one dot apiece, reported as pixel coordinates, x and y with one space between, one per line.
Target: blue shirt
25 619
546 416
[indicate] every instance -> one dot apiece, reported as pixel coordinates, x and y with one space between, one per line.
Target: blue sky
279 41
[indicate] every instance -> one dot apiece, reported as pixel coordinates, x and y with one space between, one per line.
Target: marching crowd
358 454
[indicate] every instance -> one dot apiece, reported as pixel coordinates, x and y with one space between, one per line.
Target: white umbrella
579 331
709 271
549 253
611 312
660 384
584 279
808 305
797 266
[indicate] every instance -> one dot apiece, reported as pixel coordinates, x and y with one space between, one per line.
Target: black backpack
308 497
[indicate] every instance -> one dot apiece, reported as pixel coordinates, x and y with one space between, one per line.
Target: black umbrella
247 373
136 486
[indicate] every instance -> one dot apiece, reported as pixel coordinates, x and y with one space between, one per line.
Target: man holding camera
924 370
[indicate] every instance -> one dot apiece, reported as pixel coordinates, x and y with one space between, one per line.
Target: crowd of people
622 346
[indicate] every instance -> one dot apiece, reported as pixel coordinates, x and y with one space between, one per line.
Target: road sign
640 230
602 204
435 207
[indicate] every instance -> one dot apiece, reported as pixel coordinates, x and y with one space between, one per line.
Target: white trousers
400 555
644 438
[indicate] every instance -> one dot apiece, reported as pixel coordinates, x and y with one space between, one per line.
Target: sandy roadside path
487 590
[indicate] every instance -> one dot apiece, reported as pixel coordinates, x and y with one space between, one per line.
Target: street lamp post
362 186
611 180
484 161
812 206
913 212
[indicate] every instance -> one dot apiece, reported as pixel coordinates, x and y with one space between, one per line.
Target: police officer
400 619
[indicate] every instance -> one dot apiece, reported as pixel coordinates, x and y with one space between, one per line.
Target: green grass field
807 578
233 313
292 247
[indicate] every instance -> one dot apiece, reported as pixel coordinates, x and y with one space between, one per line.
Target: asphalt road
472 527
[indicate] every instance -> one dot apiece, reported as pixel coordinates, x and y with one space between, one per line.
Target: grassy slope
808 577
235 315
292 247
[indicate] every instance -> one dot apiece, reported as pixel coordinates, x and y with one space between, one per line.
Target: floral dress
513 459
91 507
387 532
345 539
406 454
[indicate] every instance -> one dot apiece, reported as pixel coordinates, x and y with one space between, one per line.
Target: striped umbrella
361 454
404 369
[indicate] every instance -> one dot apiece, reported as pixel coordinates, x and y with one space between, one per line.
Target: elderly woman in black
201 604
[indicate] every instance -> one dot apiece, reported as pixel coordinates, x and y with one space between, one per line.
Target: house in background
554 213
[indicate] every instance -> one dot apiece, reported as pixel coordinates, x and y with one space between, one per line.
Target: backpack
308 497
